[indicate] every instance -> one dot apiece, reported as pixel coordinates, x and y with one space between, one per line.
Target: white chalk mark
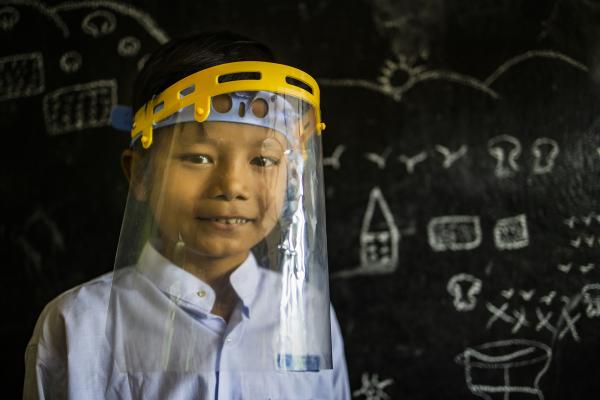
39 7
521 320
129 46
570 222
9 18
587 219
99 23
545 151
41 220
79 106
334 159
529 55
566 268
527 294
589 240
488 368
144 19
142 61
576 242
32 254
21 75
586 268
411 162
569 325
464 289
505 149
454 232
380 160
565 299
378 247
70 62
544 321
511 233
547 299
498 313
508 293
449 156
591 298
372 388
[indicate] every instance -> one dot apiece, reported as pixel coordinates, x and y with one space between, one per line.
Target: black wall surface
463 150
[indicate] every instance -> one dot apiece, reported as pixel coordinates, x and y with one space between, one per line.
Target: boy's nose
232 181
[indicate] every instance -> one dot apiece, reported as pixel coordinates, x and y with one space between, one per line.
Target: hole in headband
239 76
299 83
259 108
159 107
222 103
186 91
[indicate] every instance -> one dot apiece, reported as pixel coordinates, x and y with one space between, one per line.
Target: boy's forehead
229 132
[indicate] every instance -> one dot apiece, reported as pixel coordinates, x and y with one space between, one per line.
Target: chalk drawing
569 322
70 62
570 222
80 106
544 321
372 388
378 240
334 159
99 23
511 233
545 151
505 149
591 298
455 232
9 18
142 61
576 242
527 294
520 320
530 55
566 268
587 219
586 268
449 156
548 298
129 46
21 75
498 313
379 160
508 367
508 293
589 240
464 289
411 162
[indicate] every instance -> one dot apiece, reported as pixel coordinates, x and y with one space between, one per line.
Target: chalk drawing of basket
507 369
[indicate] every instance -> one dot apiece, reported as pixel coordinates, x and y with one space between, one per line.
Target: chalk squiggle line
533 54
416 76
50 13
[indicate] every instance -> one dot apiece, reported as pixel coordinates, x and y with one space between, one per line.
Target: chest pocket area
288 386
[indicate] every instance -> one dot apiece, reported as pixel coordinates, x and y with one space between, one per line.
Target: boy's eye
264 161
196 158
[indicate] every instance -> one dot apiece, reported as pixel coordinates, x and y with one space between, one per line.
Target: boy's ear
130 161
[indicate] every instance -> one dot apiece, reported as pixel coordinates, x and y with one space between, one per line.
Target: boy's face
219 186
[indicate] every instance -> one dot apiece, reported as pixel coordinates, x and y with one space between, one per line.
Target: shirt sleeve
341 386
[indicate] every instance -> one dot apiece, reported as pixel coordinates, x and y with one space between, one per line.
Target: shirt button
201 293
228 340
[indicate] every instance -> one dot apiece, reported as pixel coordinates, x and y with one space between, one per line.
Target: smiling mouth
228 220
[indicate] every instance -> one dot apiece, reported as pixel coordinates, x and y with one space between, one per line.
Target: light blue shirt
69 355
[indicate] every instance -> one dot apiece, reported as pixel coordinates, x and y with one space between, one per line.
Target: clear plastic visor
221 263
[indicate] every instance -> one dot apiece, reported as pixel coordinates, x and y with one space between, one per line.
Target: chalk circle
99 23
71 62
9 17
142 61
129 46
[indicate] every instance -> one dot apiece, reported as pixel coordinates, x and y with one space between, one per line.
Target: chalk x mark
334 159
372 388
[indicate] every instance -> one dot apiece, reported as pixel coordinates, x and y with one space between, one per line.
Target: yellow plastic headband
198 89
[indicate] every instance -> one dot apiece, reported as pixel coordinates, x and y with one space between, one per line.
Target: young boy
220 286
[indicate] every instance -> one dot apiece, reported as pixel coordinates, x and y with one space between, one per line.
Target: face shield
223 239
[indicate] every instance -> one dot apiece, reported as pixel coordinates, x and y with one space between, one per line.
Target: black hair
184 56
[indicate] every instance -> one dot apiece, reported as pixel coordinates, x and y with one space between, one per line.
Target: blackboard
462 164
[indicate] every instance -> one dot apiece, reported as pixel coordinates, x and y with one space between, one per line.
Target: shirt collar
184 287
